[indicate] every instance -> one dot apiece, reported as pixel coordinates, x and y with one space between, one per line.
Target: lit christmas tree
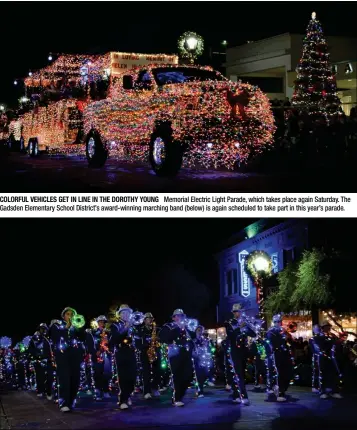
315 86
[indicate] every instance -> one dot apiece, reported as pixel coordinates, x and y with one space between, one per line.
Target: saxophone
152 354
103 345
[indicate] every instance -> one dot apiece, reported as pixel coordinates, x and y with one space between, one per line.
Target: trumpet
253 324
78 321
191 324
136 318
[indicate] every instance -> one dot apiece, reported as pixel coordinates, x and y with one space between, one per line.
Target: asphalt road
20 173
303 411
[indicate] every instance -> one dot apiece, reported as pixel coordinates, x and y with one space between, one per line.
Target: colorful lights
199 113
218 123
315 87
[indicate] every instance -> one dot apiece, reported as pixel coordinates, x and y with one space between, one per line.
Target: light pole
259 267
191 46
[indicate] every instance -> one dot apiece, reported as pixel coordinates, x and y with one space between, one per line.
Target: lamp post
190 46
259 266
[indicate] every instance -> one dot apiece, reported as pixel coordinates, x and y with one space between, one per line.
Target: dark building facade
283 241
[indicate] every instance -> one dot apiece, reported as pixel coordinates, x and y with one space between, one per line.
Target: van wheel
33 147
96 151
165 154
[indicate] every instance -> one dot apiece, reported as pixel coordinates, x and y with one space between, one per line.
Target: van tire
96 151
33 147
165 154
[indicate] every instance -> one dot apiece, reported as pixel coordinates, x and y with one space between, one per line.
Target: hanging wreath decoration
190 45
253 269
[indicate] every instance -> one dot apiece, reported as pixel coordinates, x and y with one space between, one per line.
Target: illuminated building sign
274 260
244 278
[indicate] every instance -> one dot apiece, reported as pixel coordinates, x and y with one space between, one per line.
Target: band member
98 348
179 340
7 362
328 369
146 342
121 343
237 336
280 359
224 354
22 368
316 331
258 351
68 343
40 352
203 359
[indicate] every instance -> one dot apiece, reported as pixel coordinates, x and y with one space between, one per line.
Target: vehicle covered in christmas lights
174 114
11 133
143 106
51 118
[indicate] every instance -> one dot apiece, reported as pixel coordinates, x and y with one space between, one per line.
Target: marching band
134 348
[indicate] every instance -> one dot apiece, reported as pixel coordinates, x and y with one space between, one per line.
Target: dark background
30 30
90 264
154 265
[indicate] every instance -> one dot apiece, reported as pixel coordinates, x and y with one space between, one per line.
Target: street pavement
21 173
304 411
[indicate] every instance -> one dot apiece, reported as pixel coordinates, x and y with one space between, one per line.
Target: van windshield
181 75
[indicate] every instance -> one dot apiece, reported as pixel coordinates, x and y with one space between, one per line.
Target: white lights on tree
24 99
30 73
313 15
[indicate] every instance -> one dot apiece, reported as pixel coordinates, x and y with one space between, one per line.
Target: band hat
148 315
277 318
316 329
68 308
43 325
325 323
123 308
178 312
101 318
237 307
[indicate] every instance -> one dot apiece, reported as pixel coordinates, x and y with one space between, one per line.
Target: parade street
216 411
21 173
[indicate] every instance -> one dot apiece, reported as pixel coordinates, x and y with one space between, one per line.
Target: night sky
31 30
89 264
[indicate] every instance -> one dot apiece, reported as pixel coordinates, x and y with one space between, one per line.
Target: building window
348 68
231 282
334 69
288 256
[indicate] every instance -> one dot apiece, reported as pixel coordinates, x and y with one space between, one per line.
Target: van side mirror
128 82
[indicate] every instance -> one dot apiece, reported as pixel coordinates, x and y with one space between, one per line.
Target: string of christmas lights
315 87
